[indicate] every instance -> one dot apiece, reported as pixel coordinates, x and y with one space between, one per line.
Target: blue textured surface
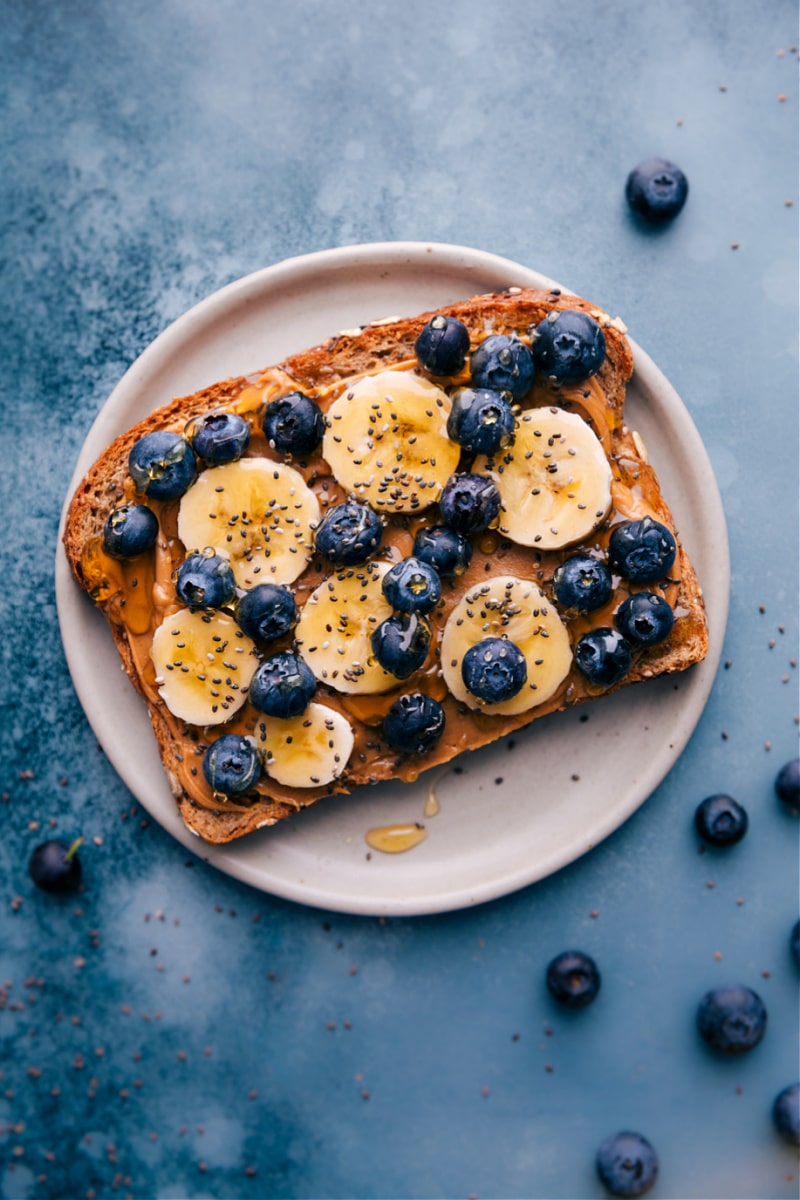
171 1033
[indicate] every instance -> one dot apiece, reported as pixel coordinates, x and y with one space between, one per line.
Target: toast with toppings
398 545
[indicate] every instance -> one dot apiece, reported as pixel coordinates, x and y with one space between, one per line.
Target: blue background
172 1033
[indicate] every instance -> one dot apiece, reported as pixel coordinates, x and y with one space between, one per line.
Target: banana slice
308 750
258 513
514 608
204 664
336 626
554 482
386 441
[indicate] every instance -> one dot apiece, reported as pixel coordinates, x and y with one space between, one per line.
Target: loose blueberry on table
573 979
54 866
162 465
657 189
412 586
731 1019
480 420
642 551
232 765
414 723
293 424
219 437
266 612
130 530
720 820
469 503
645 619
400 643
282 686
603 656
442 345
205 581
582 583
504 364
494 670
786 1113
447 551
787 785
794 942
568 346
349 533
627 1164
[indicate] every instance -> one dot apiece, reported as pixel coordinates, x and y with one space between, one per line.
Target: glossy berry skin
641 551
573 979
282 686
794 943
787 785
266 612
469 503
582 583
442 345
349 533
603 656
412 586
786 1113
130 530
55 867
656 189
627 1164
414 723
219 437
480 420
645 619
720 820
494 670
400 643
731 1019
232 765
293 424
448 552
162 465
568 346
205 581
504 364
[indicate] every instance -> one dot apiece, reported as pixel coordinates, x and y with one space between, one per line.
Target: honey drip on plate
394 839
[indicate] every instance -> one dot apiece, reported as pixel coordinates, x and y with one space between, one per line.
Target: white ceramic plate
487 839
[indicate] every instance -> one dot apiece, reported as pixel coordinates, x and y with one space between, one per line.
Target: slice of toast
138 594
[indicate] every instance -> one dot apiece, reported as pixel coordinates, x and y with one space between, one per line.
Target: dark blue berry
205 581
55 867
293 424
232 765
720 820
400 643
282 686
786 1113
494 670
787 785
656 189
627 1164
641 551
480 420
349 533
414 723
448 552
412 586
266 612
162 465
645 619
603 656
442 345
794 943
130 530
573 979
219 437
582 583
503 363
732 1019
469 503
568 346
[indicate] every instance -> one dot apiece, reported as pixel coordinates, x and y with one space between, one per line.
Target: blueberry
448 552
794 943
414 723
568 346
627 1164
656 189
787 784
786 1113
282 686
642 551
503 363
205 581
732 1019
469 503
232 765
412 586
219 437
603 656
573 979
720 820
266 612
130 530
582 583
349 533
400 643
293 424
480 420
494 670
55 867
442 345
645 619
162 465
